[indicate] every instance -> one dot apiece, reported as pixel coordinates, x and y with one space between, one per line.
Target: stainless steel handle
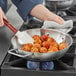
13 52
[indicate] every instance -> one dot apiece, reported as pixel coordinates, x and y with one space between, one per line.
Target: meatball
36 37
29 44
54 44
38 42
44 37
37 46
46 44
43 50
52 49
51 39
34 49
62 46
27 47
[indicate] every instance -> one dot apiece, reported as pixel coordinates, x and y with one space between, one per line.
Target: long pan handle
10 26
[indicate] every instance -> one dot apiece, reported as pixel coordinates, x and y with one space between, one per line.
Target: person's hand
1 17
56 18
42 13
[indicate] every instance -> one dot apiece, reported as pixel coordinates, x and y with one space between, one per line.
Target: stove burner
40 65
33 65
47 65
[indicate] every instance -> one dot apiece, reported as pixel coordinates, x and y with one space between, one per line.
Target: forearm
43 13
24 7
40 12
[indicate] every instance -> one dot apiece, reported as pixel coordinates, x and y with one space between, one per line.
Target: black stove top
66 66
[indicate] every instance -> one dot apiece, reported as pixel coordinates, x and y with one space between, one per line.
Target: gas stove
66 66
16 66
